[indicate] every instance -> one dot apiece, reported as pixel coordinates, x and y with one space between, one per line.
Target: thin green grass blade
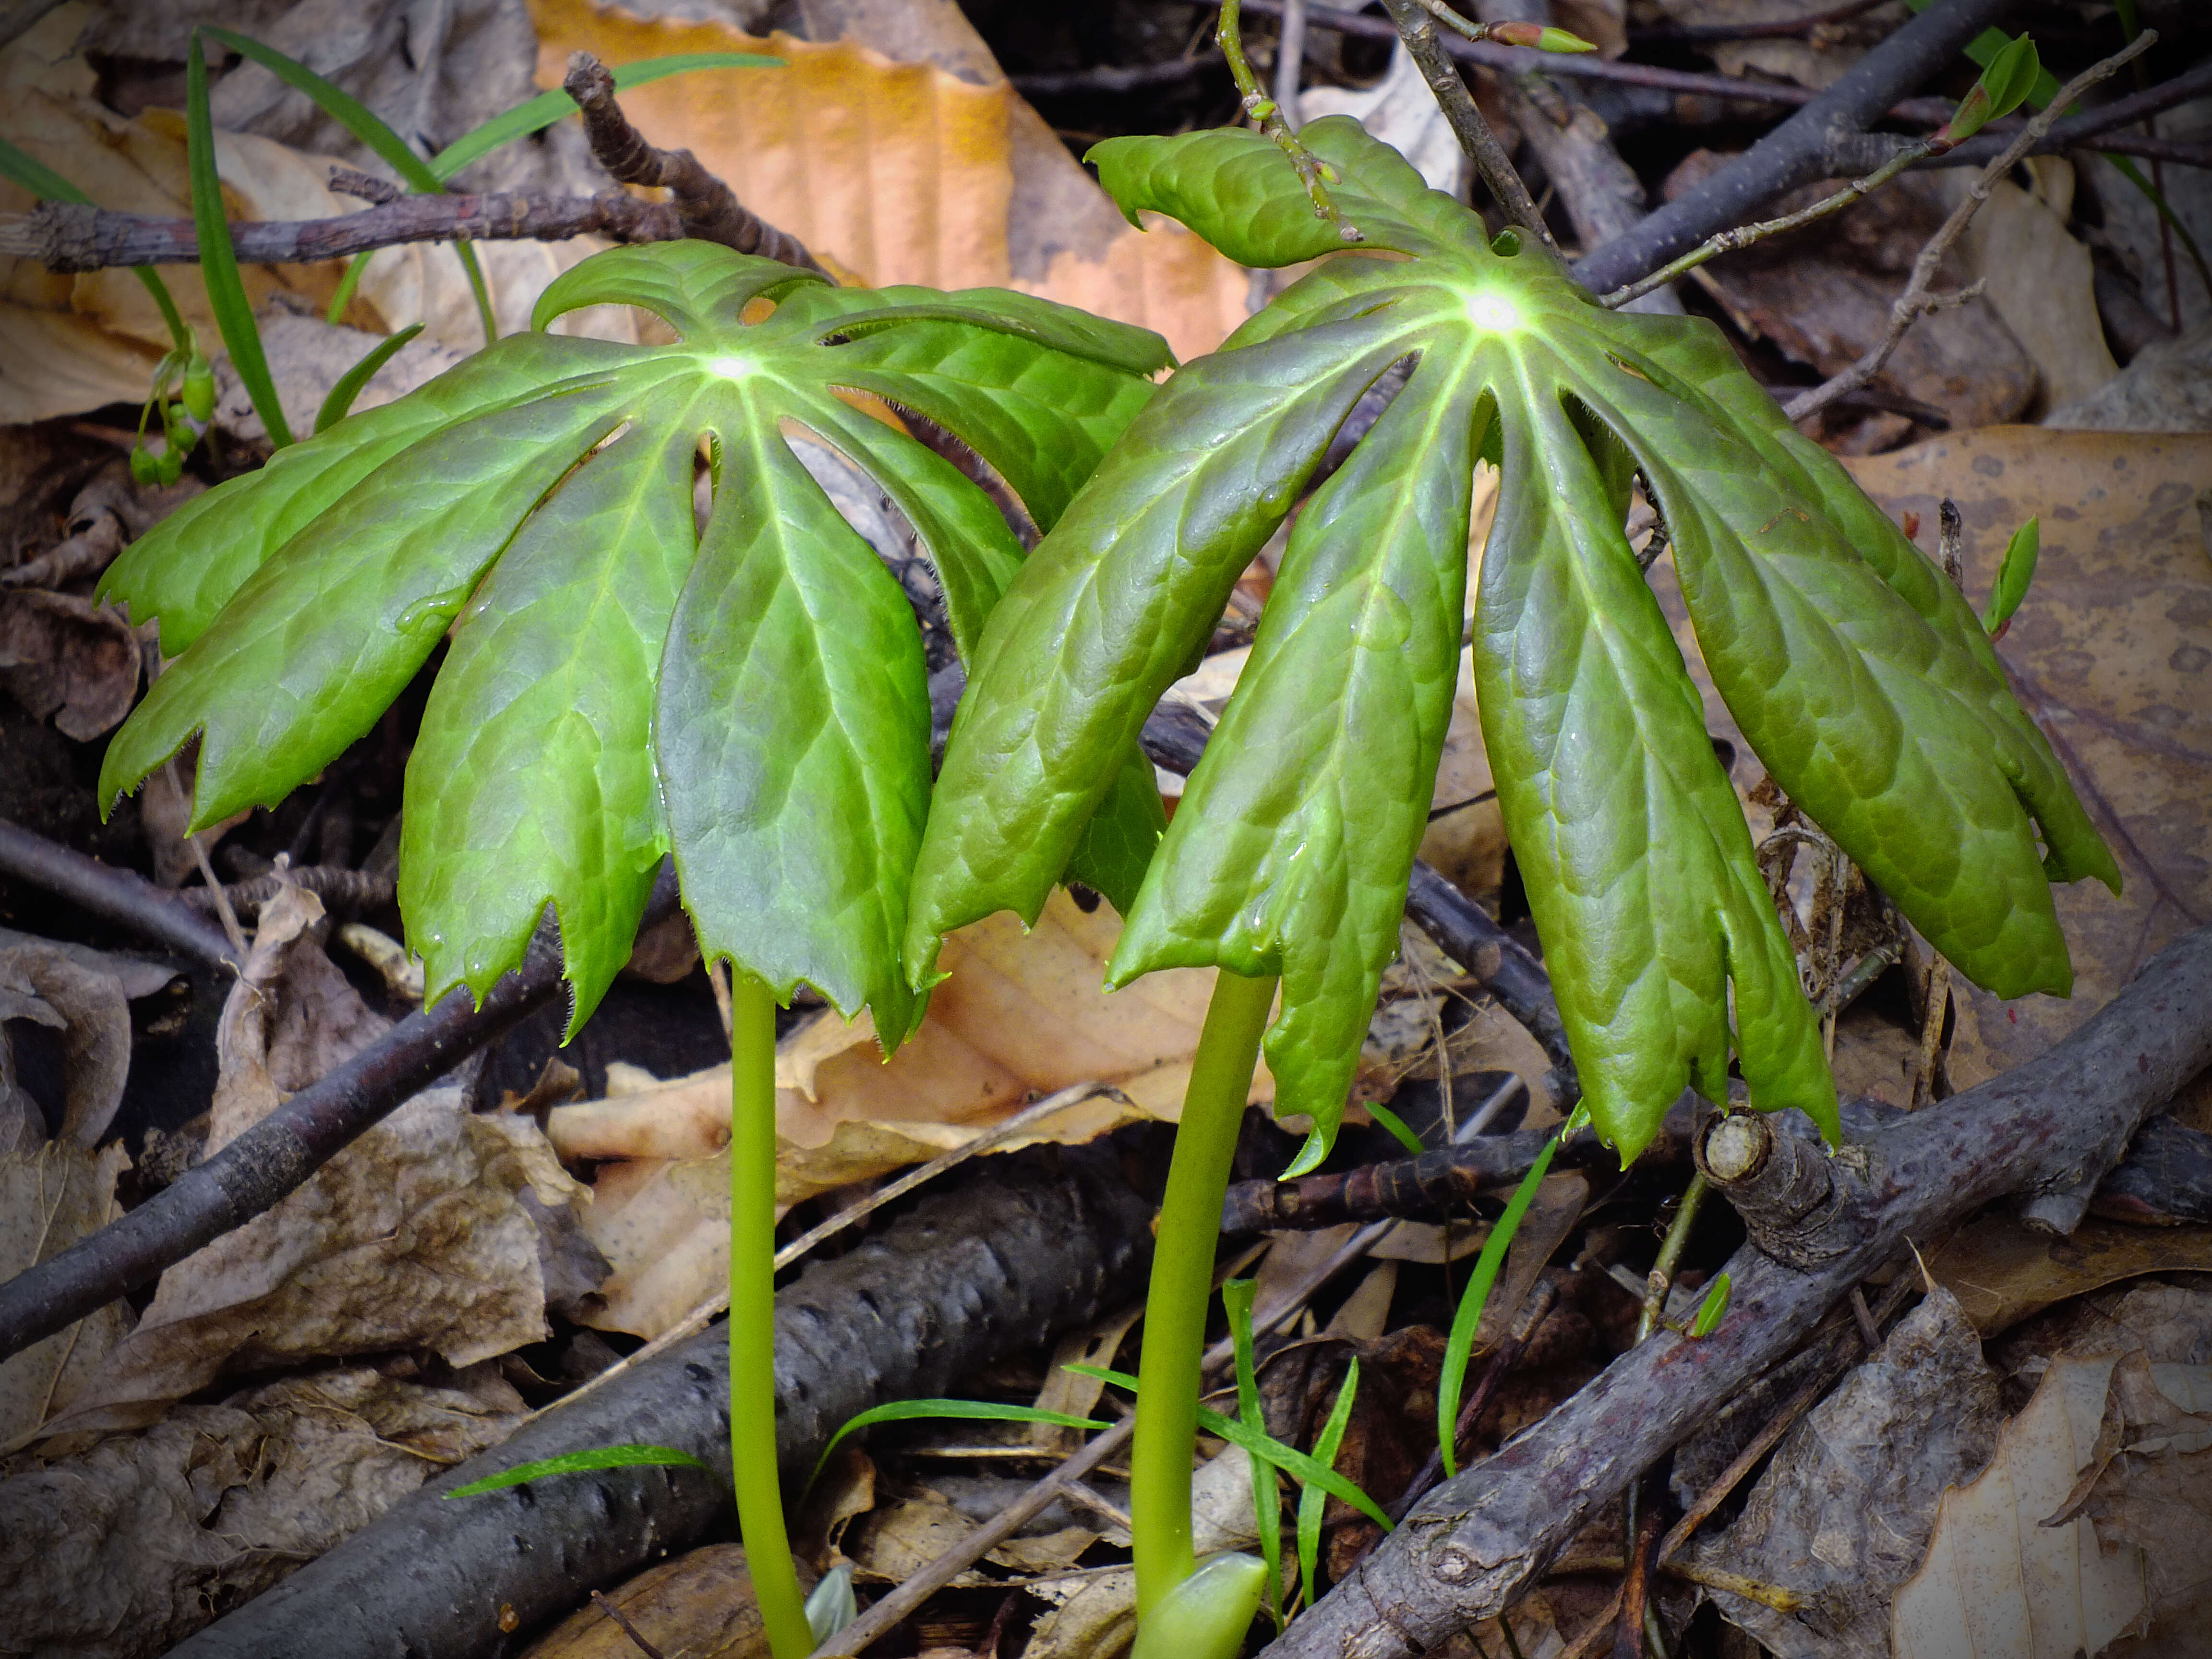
599 1457
226 290
1461 1344
1396 1125
546 108
1289 1459
338 104
983 1410
1266 1495
1313 1500
339 403
349 285
43 182
1712 1311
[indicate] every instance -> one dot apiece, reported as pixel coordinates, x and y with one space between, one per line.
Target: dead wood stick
1477 1542
1417 31
1025 1248
339 888
707 207
122 896
274 1156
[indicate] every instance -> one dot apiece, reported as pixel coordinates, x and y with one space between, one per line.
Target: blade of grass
1291 1461
43 182
599 1457
1312 1500
1396 1125
226 291
1266 1494
340 402
902 1410
1459 1347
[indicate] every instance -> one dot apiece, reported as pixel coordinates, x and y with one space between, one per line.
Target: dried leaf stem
1417 29
1918 299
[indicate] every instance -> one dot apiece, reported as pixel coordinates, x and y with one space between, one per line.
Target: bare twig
1314 173
118 896
1289 62
339 888
67 237
637 1641
366 186
1742 236
706 206
277 1154
1417 29
1776 29
1917 298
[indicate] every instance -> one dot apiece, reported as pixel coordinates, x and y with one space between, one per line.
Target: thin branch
117 895
1289 62
1729 242
339 888
276 1155
1918 297
1798 151
707 207
1418 31
67 237
1776 29
1314 173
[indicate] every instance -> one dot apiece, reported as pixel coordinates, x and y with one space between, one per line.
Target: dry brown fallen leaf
2038 278
74 659
1842 1516
900 152
2111 653
417 1235
89 1005
120 1551
49 1199
1023 1015
2003 1270
1812 60
699 1604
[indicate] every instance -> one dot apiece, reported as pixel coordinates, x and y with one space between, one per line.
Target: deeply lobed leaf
617 684
1857 673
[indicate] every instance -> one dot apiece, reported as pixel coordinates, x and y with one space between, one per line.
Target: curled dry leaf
417 1235
122 1550
74 659
89 1005
2111 653
1842 1515
2003 1271
2038 278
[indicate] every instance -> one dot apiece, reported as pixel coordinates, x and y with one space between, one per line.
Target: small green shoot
1289 1459
1207 1615
1266 1495
984 1411
339 403
226 290
1396 1125
1312 1500
2006 79
599 1457
1712 1311
1459 1346
1540 37
2014 576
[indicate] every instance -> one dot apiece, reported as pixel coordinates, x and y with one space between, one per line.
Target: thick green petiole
1183 1283
752 1318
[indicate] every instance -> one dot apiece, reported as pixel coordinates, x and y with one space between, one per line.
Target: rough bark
1479 1540
1031 1245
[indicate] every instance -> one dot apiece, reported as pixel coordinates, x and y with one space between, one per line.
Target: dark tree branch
1481 1540
707 207
1417 30
274 1156
1803 149
121 896
339 888
1026 1248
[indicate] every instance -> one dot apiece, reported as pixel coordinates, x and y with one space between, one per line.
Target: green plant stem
752 1317
1183 1283
1670 1253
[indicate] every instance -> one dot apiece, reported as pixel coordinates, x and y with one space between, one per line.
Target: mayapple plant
1855 670
622 683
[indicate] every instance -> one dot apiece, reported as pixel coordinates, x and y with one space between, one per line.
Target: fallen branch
1808 146
1479 1540
121 896
1028 1247
339 888
1417 30
274 1156
1919 298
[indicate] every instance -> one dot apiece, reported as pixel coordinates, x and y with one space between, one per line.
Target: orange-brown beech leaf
906 170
